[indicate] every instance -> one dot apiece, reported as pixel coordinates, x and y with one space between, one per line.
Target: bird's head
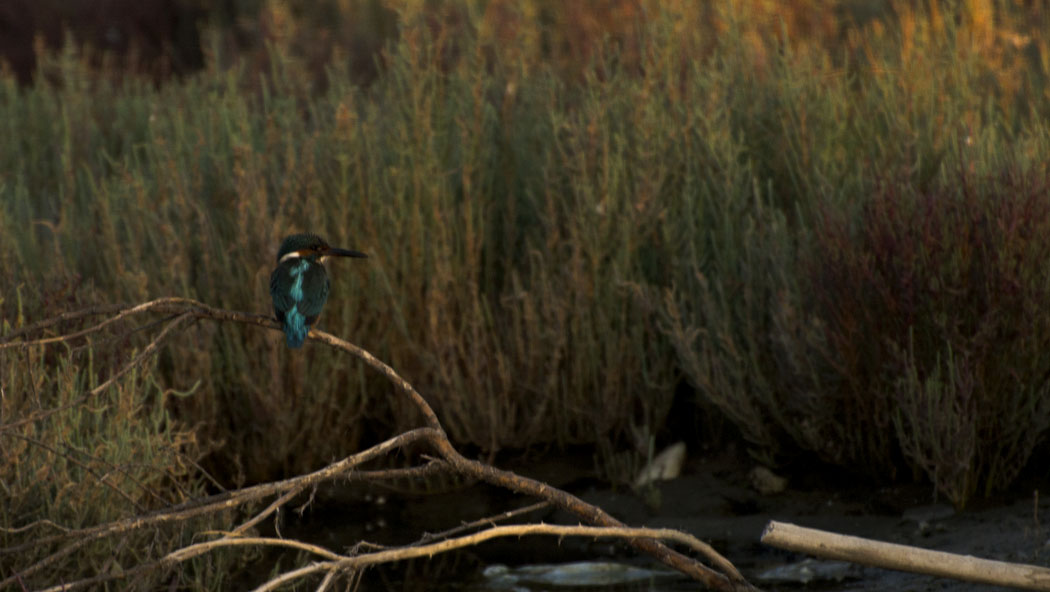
312 247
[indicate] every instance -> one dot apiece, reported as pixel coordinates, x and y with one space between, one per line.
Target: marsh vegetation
820 234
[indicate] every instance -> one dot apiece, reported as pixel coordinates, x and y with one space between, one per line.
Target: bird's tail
295 328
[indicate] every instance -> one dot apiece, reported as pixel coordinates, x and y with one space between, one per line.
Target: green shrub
768 314
69 461
562 219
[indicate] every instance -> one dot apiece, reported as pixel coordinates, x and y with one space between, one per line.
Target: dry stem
905 558
185 310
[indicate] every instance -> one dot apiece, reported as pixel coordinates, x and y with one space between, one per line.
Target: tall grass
566 212
106 458
803 329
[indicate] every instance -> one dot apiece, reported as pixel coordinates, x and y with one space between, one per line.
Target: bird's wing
282 300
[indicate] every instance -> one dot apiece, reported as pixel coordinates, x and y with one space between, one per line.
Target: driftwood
904 558
181 313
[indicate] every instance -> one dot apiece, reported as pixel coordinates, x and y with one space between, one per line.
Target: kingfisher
299 286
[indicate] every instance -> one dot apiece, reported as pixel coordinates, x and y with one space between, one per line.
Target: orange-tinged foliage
525 177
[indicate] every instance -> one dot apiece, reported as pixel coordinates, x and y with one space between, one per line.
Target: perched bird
299 285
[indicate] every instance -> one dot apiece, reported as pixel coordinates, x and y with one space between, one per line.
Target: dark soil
713 499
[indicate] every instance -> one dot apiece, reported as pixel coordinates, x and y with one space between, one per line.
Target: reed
566 213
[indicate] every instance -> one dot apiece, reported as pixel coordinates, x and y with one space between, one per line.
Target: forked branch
184 310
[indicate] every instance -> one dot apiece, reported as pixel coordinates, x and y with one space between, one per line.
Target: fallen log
904 558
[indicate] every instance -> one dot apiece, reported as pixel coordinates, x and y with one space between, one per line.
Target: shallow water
712 500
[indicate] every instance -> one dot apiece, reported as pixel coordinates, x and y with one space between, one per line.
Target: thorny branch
183 311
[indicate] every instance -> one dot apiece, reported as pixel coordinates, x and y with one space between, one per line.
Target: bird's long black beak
334 252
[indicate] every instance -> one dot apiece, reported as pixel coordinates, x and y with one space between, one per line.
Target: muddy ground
712 499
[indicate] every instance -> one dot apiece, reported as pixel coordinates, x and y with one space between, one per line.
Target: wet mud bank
714 499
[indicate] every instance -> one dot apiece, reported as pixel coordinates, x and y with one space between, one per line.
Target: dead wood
905 558
181 311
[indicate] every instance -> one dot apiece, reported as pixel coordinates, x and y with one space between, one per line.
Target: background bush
830 223
87 461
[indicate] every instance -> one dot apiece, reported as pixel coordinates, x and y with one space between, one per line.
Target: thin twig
487 521
67 316
382 368
212 504
729 579
277 503
35 524
185 458
432 467
5 344
327 581
144 355
194 550
516 530
100 478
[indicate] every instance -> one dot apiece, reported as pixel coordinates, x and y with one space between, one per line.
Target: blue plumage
295 327
299 285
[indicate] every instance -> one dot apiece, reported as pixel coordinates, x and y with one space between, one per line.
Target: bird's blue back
299 288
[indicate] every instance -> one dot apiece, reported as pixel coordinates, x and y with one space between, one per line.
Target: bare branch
144 355
487 521
88 469
33 525
186 310
506 479
68 316
209 505
192 551
273 507
517 530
